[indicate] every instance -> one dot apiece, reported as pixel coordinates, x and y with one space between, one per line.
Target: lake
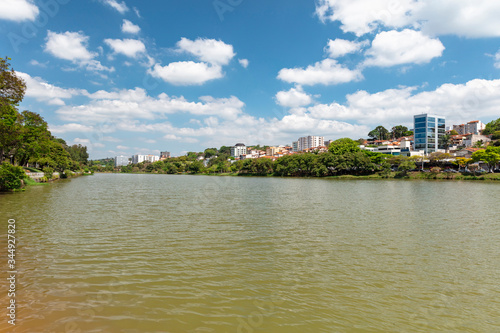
171 253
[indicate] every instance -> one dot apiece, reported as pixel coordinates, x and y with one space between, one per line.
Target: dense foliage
24 136
492 127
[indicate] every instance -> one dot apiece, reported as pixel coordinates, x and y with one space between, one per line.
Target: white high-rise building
310 141
238 150
142 158
121 160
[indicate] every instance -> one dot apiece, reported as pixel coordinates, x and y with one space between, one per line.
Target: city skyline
128 77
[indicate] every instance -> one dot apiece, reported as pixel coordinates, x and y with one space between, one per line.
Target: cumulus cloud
497 60
390 48
72 46
121 7
72 127
18 10
130 47
211 51
293 98
444 17
476 99
244 62
136 104
45 92
129 27
185 73
340 47
69 46
326 72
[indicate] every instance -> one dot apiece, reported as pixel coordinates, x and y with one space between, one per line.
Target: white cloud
244 62
130 47
477 99
497 60
293 98
212 51
390 48
121 7
326 72
364 16
18 10
84 142
72 127
42 91
185 73
34 62
130 28
69 46
72 46
444 17
340 47
136 104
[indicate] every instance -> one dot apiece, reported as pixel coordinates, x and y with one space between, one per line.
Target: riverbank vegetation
344 159
25 140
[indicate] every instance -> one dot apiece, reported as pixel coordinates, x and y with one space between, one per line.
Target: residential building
472 127
472 139
310 141
295 146
164 155
121 160
428 131
271 151
238 150
145 158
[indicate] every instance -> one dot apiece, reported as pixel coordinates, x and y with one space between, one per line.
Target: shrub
11 177
48 172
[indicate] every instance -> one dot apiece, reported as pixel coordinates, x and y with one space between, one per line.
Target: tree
398 131
210 152
342 146
406 166
462 162
445 141
11 177
225 150
12 87
490 156
453 132
492 127
379 133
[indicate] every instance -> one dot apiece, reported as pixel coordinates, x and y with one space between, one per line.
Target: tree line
25 140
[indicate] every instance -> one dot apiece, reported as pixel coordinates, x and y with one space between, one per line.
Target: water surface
159 253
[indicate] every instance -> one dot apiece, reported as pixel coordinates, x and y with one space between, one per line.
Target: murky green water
158 253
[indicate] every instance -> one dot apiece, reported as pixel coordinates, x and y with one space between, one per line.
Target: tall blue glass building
428 131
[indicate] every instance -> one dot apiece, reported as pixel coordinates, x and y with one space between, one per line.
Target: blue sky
129 77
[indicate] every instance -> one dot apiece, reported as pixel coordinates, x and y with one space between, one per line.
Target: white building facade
308 142
145 158
121 160
238 150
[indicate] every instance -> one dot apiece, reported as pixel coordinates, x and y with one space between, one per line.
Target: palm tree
445 141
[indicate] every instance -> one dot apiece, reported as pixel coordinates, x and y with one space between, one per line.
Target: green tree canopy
490 156
399 131
379 133
12 87
492 127
343 146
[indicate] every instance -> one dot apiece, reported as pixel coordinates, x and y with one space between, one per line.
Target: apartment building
308 142
428 131
142 158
